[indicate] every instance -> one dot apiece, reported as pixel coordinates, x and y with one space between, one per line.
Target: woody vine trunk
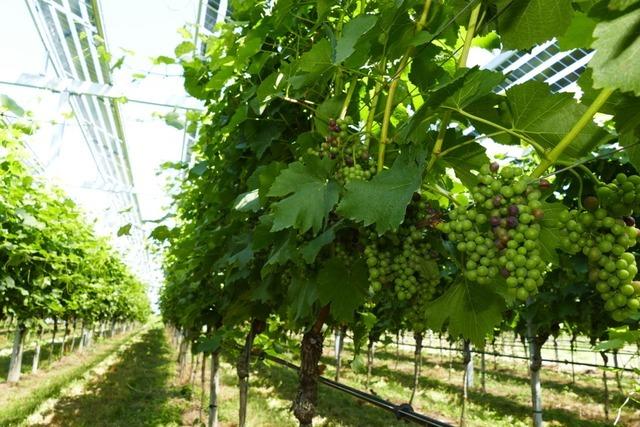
242 369
304 405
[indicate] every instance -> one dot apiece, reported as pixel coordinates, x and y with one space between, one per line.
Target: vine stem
580 188
347 100
583 168
395 80
566 141
464 55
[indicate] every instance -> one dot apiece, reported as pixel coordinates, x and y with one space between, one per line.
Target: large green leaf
632 149
311 250
616 63
383 200
302 294
579 34
468 310
525 23
343 287
546 118
313 64
351 34
466 87
465 159
477 83
311 195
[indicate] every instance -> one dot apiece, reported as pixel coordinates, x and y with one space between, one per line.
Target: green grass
21 400
505 404
135 391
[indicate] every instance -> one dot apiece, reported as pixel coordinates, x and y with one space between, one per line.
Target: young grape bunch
398 261
498 234
622 196
605 241
355 162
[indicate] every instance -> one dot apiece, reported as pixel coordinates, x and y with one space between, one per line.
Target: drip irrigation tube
403 411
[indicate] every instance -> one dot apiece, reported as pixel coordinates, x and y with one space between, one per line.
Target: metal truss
73 36
113 93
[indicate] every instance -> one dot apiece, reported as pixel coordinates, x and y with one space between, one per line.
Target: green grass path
135 391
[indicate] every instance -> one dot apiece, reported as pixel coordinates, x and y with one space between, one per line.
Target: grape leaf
546 118
467 86
351 34
462 160
124 230
343 287
468 310
383 200
163 60
632 148
184 48
312 64
425 71
477 83
311 195
579 34
311 250
302 295
549 242
549 231
161 233
616 63
621 4
210 344
525 23
263 178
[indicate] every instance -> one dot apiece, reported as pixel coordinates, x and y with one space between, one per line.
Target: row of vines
341 181
53 268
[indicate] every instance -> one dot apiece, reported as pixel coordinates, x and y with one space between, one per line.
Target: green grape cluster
499 233
398 261
415 312
622 196
422 212
355 161
605 240
349 173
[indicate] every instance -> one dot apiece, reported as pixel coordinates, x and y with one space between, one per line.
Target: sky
143 29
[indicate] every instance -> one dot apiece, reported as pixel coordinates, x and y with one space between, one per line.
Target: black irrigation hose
403 411
566 362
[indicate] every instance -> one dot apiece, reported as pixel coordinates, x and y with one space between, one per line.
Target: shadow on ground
136 391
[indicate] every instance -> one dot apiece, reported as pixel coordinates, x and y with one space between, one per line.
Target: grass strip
50 386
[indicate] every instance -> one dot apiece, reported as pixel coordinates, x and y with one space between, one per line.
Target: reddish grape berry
513 210
629 220
538 213
544 184
590 203
494 166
